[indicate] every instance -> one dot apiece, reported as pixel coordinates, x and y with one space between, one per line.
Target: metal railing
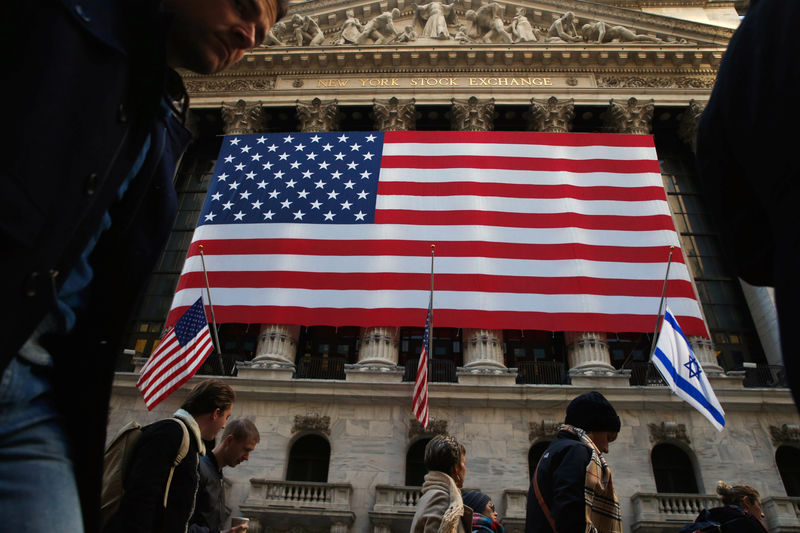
320 368
541 373
765 376
439 371
645 374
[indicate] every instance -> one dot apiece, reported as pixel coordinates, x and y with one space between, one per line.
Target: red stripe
525 220
617 166
444 282
519 137
510 190
340 248
445 318
202 345
194 360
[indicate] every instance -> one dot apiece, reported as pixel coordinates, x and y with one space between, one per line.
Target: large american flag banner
182 350
546 231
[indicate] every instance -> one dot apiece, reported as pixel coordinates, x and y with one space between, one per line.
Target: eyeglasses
491 506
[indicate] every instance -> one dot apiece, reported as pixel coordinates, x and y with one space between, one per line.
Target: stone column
482 349
277 343
379 346
472 114
587 353
551 116
394 115
318 116
630 117
242 117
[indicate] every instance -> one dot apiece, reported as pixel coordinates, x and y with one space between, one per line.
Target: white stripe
524 205
159 388
428 234
163 362
444 265
457 300
522 177
621 153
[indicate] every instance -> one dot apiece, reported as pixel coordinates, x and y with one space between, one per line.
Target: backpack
116 459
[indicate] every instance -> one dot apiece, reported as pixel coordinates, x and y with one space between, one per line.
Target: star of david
693 367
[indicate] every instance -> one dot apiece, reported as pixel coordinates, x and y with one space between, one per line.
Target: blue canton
189 325
306 178
693 367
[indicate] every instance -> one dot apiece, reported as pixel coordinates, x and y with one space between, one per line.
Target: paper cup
239 521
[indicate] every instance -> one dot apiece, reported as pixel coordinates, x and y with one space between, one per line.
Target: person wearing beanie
571 488
484 515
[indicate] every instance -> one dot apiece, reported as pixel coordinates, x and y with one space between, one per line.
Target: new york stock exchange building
340 449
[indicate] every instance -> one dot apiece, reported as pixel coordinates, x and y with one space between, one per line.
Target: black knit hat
475 500
592 412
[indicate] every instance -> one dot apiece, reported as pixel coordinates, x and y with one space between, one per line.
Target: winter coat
440 510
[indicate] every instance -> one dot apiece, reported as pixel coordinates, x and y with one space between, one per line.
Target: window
788 460
415 463
534 454
673 470
309 459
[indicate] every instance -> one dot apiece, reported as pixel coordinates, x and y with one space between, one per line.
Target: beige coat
440 510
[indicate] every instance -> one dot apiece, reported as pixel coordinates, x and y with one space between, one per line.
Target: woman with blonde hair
741 512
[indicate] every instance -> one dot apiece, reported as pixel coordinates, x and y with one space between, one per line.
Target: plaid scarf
484 524
602 507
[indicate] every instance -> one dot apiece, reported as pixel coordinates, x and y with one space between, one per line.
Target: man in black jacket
86 204
210 510
571 489
205 412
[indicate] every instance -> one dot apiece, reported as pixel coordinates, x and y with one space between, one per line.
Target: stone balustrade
666 512
515 503
782 514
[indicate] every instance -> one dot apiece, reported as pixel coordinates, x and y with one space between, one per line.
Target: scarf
602 506
484 524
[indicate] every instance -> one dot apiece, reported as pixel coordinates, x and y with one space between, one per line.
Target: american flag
180 353
559 232
420 405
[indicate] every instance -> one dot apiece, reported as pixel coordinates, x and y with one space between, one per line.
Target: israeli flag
675 360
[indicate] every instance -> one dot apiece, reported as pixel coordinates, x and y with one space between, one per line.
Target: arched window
788 460
415 463
673 470
309 459
534 454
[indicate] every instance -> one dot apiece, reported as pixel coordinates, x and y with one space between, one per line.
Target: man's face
209 36
239 451
218 420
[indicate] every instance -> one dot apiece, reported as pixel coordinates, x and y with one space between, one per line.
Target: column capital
472 114
379 346
317 115
394 115
587 351
551 116
242 117
483 348
689 120
630 117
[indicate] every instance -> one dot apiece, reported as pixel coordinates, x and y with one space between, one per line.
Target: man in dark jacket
748 164
210 510
205 412
86 205
571 490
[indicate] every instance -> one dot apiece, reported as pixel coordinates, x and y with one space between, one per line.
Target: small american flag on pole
180 353
420 406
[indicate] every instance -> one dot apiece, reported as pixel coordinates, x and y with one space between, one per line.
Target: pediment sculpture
380 29
433 18
487 24
600 32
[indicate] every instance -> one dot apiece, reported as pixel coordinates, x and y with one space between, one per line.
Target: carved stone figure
394 115
461 35
563 29
306 30
408 35
278 34
351 29
380 29
521 29
434 18
600 32
318 115
487 25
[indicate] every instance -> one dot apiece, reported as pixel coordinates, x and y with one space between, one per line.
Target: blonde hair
734 495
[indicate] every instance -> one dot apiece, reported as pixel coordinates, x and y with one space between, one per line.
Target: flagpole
211 308
430 302
661 303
